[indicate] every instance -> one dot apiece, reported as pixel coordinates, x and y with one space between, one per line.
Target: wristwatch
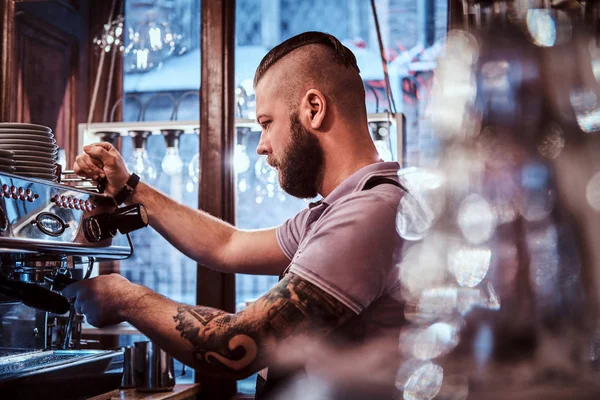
128 189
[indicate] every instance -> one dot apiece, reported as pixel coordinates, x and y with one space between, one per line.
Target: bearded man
335 258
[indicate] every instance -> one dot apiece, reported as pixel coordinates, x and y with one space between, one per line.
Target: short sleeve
290 232
350 251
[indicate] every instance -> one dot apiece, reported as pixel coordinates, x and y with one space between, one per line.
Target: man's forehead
267 90
268 81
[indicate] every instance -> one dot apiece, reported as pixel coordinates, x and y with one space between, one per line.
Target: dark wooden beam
7 87
217 180
44 66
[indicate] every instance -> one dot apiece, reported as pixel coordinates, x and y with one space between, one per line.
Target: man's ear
314 108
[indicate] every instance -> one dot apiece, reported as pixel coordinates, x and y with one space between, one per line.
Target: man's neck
339 169
347 148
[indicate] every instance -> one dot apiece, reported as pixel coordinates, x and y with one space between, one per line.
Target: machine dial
92 230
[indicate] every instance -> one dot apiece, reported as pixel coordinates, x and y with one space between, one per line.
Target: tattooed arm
235 345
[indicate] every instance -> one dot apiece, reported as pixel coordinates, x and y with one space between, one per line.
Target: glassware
111 36
498 290
194 168
150 43
194 165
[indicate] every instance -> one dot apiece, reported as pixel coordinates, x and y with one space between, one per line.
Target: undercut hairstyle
340 54
317 60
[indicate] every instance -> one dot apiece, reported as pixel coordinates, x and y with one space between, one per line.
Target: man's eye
265 124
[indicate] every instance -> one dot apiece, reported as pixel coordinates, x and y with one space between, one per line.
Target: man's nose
264 147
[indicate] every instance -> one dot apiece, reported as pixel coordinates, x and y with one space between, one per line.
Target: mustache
272 161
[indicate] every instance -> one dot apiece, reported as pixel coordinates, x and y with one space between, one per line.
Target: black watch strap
128 189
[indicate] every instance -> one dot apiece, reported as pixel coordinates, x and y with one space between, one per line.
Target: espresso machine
51 234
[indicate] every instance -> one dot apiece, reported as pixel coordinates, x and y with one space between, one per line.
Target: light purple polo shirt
347 245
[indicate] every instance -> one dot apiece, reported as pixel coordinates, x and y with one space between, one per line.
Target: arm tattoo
226 342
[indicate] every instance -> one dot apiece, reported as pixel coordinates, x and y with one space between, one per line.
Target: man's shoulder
382 194
372 211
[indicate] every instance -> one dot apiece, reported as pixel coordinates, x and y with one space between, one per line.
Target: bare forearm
215 342
202 337
209 240
195 233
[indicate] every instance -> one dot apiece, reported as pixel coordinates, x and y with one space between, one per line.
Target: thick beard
301 166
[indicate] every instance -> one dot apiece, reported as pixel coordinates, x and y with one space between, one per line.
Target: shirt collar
357 180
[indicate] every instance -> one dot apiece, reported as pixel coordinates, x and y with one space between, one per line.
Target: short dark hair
340 54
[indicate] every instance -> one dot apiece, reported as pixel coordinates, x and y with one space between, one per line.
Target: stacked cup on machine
28 150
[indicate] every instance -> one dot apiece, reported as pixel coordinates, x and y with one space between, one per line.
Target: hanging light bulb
171 163
140 163
150 43
108 136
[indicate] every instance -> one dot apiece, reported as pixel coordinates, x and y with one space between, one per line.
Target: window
155 81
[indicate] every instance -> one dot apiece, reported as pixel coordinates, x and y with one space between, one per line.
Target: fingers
84 166
79 307
100 151
78 295
93 165
105 145
70 291
105 154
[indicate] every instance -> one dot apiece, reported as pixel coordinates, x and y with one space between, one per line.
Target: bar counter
179 392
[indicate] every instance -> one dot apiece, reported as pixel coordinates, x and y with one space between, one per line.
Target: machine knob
125 220
94 231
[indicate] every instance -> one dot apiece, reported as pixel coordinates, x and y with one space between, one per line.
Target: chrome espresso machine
51 235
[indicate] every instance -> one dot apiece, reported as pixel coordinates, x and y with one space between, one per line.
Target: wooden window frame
217 139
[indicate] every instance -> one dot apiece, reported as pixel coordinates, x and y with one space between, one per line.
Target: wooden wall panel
45 66
45 61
